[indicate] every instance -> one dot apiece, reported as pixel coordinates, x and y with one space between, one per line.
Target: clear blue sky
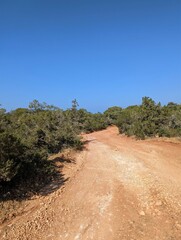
103 53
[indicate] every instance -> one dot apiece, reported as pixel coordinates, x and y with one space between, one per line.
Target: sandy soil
119 189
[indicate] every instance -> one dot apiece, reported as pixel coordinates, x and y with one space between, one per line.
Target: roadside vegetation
29 136
149 119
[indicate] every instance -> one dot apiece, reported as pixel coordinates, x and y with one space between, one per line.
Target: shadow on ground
20 190
14 196
59 178
85 142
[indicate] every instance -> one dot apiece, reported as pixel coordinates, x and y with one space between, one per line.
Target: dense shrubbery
29 135
150 119
112 114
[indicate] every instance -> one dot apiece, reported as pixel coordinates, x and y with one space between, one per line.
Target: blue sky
103 53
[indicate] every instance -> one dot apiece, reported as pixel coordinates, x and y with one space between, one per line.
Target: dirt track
120 189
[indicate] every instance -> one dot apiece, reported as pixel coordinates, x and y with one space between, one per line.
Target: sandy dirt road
120 189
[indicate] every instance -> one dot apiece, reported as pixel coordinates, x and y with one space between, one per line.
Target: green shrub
150 119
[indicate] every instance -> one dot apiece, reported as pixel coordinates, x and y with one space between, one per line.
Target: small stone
158 203
178 226
131 222
142 213
11 215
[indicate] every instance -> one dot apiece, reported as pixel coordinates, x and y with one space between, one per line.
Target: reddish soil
118 189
